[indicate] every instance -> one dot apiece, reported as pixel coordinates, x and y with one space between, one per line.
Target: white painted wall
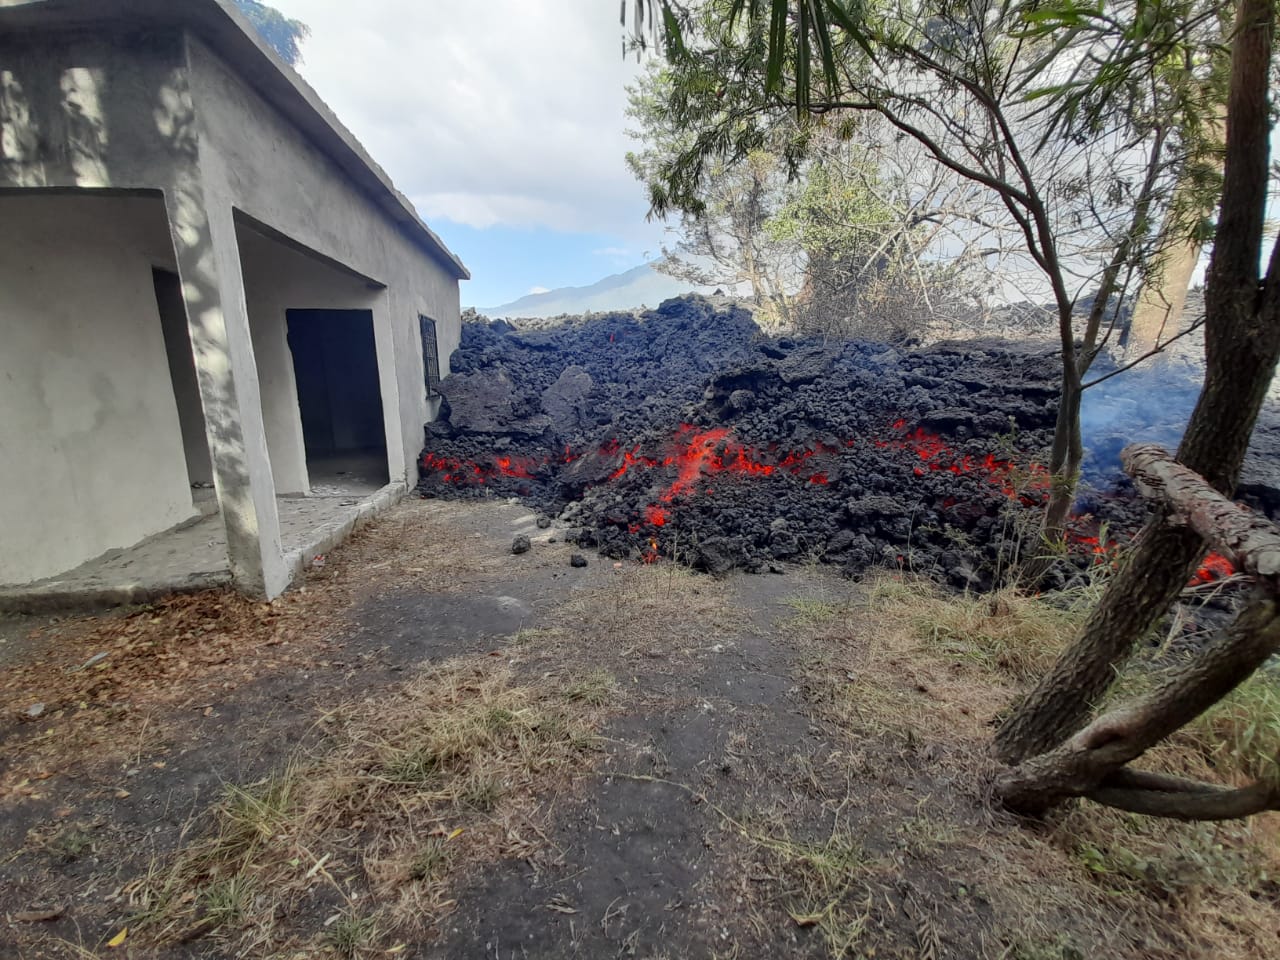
91 454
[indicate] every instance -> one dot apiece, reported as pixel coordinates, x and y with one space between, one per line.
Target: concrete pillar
388 384
213 289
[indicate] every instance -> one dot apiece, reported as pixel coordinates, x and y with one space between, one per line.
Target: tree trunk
1082 764
1249 540
1065 458
1159 308
1157 795
1158 312
1151 576
1064 465
1242 343
1091 763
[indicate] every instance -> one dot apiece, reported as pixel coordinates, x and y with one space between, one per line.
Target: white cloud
502 112
539 290
488 209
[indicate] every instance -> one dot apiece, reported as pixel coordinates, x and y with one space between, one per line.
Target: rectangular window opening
430 355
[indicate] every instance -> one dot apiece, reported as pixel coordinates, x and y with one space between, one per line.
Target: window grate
430 355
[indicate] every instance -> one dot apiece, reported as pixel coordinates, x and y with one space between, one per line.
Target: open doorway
335 365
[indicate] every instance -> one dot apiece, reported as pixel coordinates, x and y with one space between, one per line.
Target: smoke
1150 403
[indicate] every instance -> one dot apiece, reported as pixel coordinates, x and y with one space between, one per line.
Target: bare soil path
641 762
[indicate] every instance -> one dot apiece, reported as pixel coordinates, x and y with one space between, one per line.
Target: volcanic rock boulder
566 401
487 402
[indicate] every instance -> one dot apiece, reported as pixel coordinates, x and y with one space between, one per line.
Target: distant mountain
640 286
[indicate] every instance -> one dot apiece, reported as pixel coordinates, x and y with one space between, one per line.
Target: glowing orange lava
695 453
469 473
1214 567
655 515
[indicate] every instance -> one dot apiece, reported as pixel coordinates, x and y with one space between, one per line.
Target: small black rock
577 560
520 544
544 522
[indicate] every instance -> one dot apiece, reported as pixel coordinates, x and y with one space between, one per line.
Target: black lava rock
684 432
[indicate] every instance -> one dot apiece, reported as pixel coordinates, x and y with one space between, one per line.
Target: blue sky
502 120
508 262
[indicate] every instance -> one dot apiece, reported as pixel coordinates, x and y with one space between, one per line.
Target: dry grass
646 608
1240 735
913 665
905 659
360 843
1216 881
1007 632
1236 741
427 543
817 611
824 881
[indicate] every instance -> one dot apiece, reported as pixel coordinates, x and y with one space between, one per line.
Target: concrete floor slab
311 526
193 555
363 473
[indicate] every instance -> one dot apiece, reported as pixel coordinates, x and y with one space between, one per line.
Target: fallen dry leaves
98 680
91 688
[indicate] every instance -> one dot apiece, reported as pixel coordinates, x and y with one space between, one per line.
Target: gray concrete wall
182 371
113 109
278 278
91 454
133 107
94 111
274 174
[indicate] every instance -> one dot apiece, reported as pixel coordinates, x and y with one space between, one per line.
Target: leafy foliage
871 236
1080 123
826 224
282 34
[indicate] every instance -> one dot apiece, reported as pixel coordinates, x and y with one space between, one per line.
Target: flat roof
221 25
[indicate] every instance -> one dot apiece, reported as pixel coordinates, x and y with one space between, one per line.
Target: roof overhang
219 24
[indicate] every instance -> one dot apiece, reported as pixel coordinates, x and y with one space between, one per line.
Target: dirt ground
436 749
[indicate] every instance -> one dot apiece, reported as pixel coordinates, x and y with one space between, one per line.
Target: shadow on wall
74 150
65 127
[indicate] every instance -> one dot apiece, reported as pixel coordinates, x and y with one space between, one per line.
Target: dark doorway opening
335 367
186 389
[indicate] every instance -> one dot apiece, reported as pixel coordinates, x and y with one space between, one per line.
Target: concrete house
220 323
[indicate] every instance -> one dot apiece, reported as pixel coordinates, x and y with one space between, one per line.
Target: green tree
966 82
727 241
816 217
1242 343
1091 76
890 251
281 33
1157 311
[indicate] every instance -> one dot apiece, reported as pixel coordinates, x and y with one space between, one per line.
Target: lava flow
937 455
694 454
1212 568
465 473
